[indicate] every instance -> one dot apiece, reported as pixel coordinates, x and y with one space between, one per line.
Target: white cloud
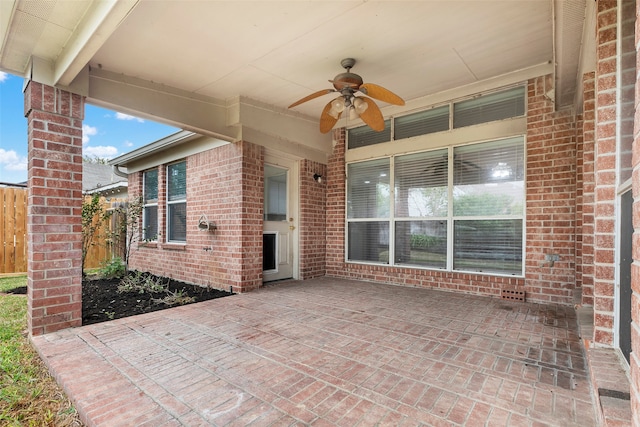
101 151
12 161
88 131
122 116
128 143
3 76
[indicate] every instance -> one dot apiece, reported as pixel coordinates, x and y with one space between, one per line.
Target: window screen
490 107
150 205
177 202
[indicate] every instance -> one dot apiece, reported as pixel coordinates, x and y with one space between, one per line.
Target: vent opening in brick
513 294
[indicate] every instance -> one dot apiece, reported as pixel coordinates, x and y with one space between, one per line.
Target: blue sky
106 133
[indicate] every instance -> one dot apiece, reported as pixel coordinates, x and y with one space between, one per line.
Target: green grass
28 394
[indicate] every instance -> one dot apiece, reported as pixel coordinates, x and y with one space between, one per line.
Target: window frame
450 219
172 203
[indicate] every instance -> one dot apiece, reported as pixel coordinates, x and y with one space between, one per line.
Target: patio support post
54 222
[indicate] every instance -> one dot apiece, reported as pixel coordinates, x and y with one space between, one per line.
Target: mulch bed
101 300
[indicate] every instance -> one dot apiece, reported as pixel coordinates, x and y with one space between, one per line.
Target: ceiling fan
347 84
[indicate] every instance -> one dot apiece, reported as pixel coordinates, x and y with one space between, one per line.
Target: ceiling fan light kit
347 84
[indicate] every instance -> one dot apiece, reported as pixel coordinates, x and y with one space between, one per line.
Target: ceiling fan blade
326 120
380 93
372 116
312 96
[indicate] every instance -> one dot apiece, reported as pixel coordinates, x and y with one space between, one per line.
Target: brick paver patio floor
329 352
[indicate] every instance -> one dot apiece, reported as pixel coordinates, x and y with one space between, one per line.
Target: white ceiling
279 51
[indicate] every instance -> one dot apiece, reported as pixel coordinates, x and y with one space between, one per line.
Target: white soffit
570 21
278 52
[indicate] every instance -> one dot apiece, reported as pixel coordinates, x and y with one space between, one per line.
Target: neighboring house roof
154 147
14 184
98 177
165 150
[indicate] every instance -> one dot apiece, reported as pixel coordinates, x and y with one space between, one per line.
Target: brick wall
225 184
605 172
54 222
336 265
551 215
312 224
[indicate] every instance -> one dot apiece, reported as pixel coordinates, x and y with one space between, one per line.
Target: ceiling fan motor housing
347 80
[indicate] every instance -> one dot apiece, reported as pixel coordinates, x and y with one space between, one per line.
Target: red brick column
605 172
551 197
251 217
336 202
313 222
55 203
586 185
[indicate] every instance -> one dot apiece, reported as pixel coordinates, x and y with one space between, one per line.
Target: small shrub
175 298
422 241
141 282
113 268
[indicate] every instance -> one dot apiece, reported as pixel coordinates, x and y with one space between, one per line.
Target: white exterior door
280 219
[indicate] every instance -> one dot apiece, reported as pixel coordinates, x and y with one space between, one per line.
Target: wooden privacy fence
13 233
104 244
13 230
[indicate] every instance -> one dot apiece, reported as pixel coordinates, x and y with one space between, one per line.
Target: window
484 108
457 208
177 202
368 211
150 205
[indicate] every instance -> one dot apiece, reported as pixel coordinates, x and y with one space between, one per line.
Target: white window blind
490 107
488 206
421 191
177 202
369 190
422 123
489 178
368 210
364 135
